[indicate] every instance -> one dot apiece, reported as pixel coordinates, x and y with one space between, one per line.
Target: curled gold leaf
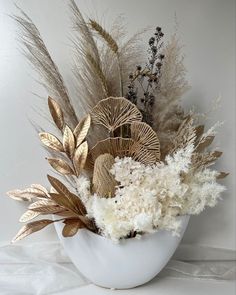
72 202
71 227
80 157
113 112
56 113
30 228
68 141
51 141
61 166
81 129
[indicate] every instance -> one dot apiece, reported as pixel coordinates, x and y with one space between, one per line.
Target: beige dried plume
167 112
104 182
38 55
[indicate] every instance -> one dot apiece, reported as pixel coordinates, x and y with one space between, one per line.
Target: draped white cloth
44 268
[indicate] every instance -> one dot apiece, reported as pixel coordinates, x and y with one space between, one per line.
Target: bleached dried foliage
37 53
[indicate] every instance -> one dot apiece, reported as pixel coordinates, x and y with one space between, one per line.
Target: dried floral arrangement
130 159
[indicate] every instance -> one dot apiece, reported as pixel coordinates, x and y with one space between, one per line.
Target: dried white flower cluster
150 197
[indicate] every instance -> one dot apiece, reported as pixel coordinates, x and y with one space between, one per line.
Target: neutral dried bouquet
130 159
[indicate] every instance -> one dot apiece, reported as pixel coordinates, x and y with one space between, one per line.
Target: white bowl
124 265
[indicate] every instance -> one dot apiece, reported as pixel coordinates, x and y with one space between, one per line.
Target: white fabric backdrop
206 27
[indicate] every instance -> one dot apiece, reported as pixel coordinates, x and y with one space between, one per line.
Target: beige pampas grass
36 52
167 113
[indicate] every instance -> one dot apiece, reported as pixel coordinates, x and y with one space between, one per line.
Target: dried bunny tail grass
98 70
88 72
104 35
36 52
172 83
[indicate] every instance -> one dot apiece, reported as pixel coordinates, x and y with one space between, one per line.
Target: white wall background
206 27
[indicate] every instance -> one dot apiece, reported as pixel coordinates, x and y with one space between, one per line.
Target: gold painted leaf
30 228
29 215
54 209
18 195
56 113
74 201
104 182
80 157
63 202
145 136
25 195
40 203
114 112
61 166
39 187
81 130
71 227
51 141
68 141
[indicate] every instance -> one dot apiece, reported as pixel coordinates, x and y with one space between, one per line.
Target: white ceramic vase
124 265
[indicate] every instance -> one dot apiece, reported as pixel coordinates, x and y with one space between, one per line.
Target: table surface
164 286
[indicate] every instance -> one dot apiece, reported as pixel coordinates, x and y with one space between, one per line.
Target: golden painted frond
27 194
144 135
68 141
114 112
30 228
65 197
56 113
61 166
51 141
29 215
80 157
104 182
81 130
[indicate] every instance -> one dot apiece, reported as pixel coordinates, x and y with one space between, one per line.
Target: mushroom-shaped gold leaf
113 112
144 135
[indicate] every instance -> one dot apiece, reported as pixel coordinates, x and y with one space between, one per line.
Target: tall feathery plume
167 113
36 52
90 80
